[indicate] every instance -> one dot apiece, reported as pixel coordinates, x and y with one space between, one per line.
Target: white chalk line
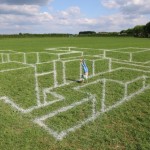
7 70
40 120
136 65
64 74
55 74
37 89
136 79
146 62
45 73
130 54
62 134
24 111
48 91
98 80
65 83
127 98
63 109
48 103
129 48
3 51
139 70
9 101
98 114
126 61
103 95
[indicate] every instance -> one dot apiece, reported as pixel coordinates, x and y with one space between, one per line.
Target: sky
71 16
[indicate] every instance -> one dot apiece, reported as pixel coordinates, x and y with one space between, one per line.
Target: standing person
85 71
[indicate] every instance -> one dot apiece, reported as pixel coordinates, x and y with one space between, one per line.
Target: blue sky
90 8
71 16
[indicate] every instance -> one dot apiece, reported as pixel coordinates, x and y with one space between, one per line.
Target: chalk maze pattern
128 59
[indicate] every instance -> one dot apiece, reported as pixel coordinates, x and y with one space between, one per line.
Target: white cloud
129 6
22 18
110 4
87 21
26 2
130 13
71 12
73 20
31 18
19 9
118 22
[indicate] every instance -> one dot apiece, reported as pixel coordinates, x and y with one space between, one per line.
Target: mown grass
19 86
125 127
39 44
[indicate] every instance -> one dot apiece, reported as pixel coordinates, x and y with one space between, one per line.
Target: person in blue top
85 70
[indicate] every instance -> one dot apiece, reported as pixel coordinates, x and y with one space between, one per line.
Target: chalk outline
60 97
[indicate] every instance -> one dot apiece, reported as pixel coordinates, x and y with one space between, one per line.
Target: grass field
43 107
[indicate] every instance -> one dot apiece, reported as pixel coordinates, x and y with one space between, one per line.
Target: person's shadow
74 80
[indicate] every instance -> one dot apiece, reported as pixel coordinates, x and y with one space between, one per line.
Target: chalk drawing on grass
45 74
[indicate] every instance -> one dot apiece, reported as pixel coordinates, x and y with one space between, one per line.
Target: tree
147 29
87 32
139 30
130 31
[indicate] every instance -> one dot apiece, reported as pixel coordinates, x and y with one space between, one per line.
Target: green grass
141 57
125 127
118 55
70 118
19 85
39 44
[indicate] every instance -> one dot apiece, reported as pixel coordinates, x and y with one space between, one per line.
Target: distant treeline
137 31
81 34
24 35
99 34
